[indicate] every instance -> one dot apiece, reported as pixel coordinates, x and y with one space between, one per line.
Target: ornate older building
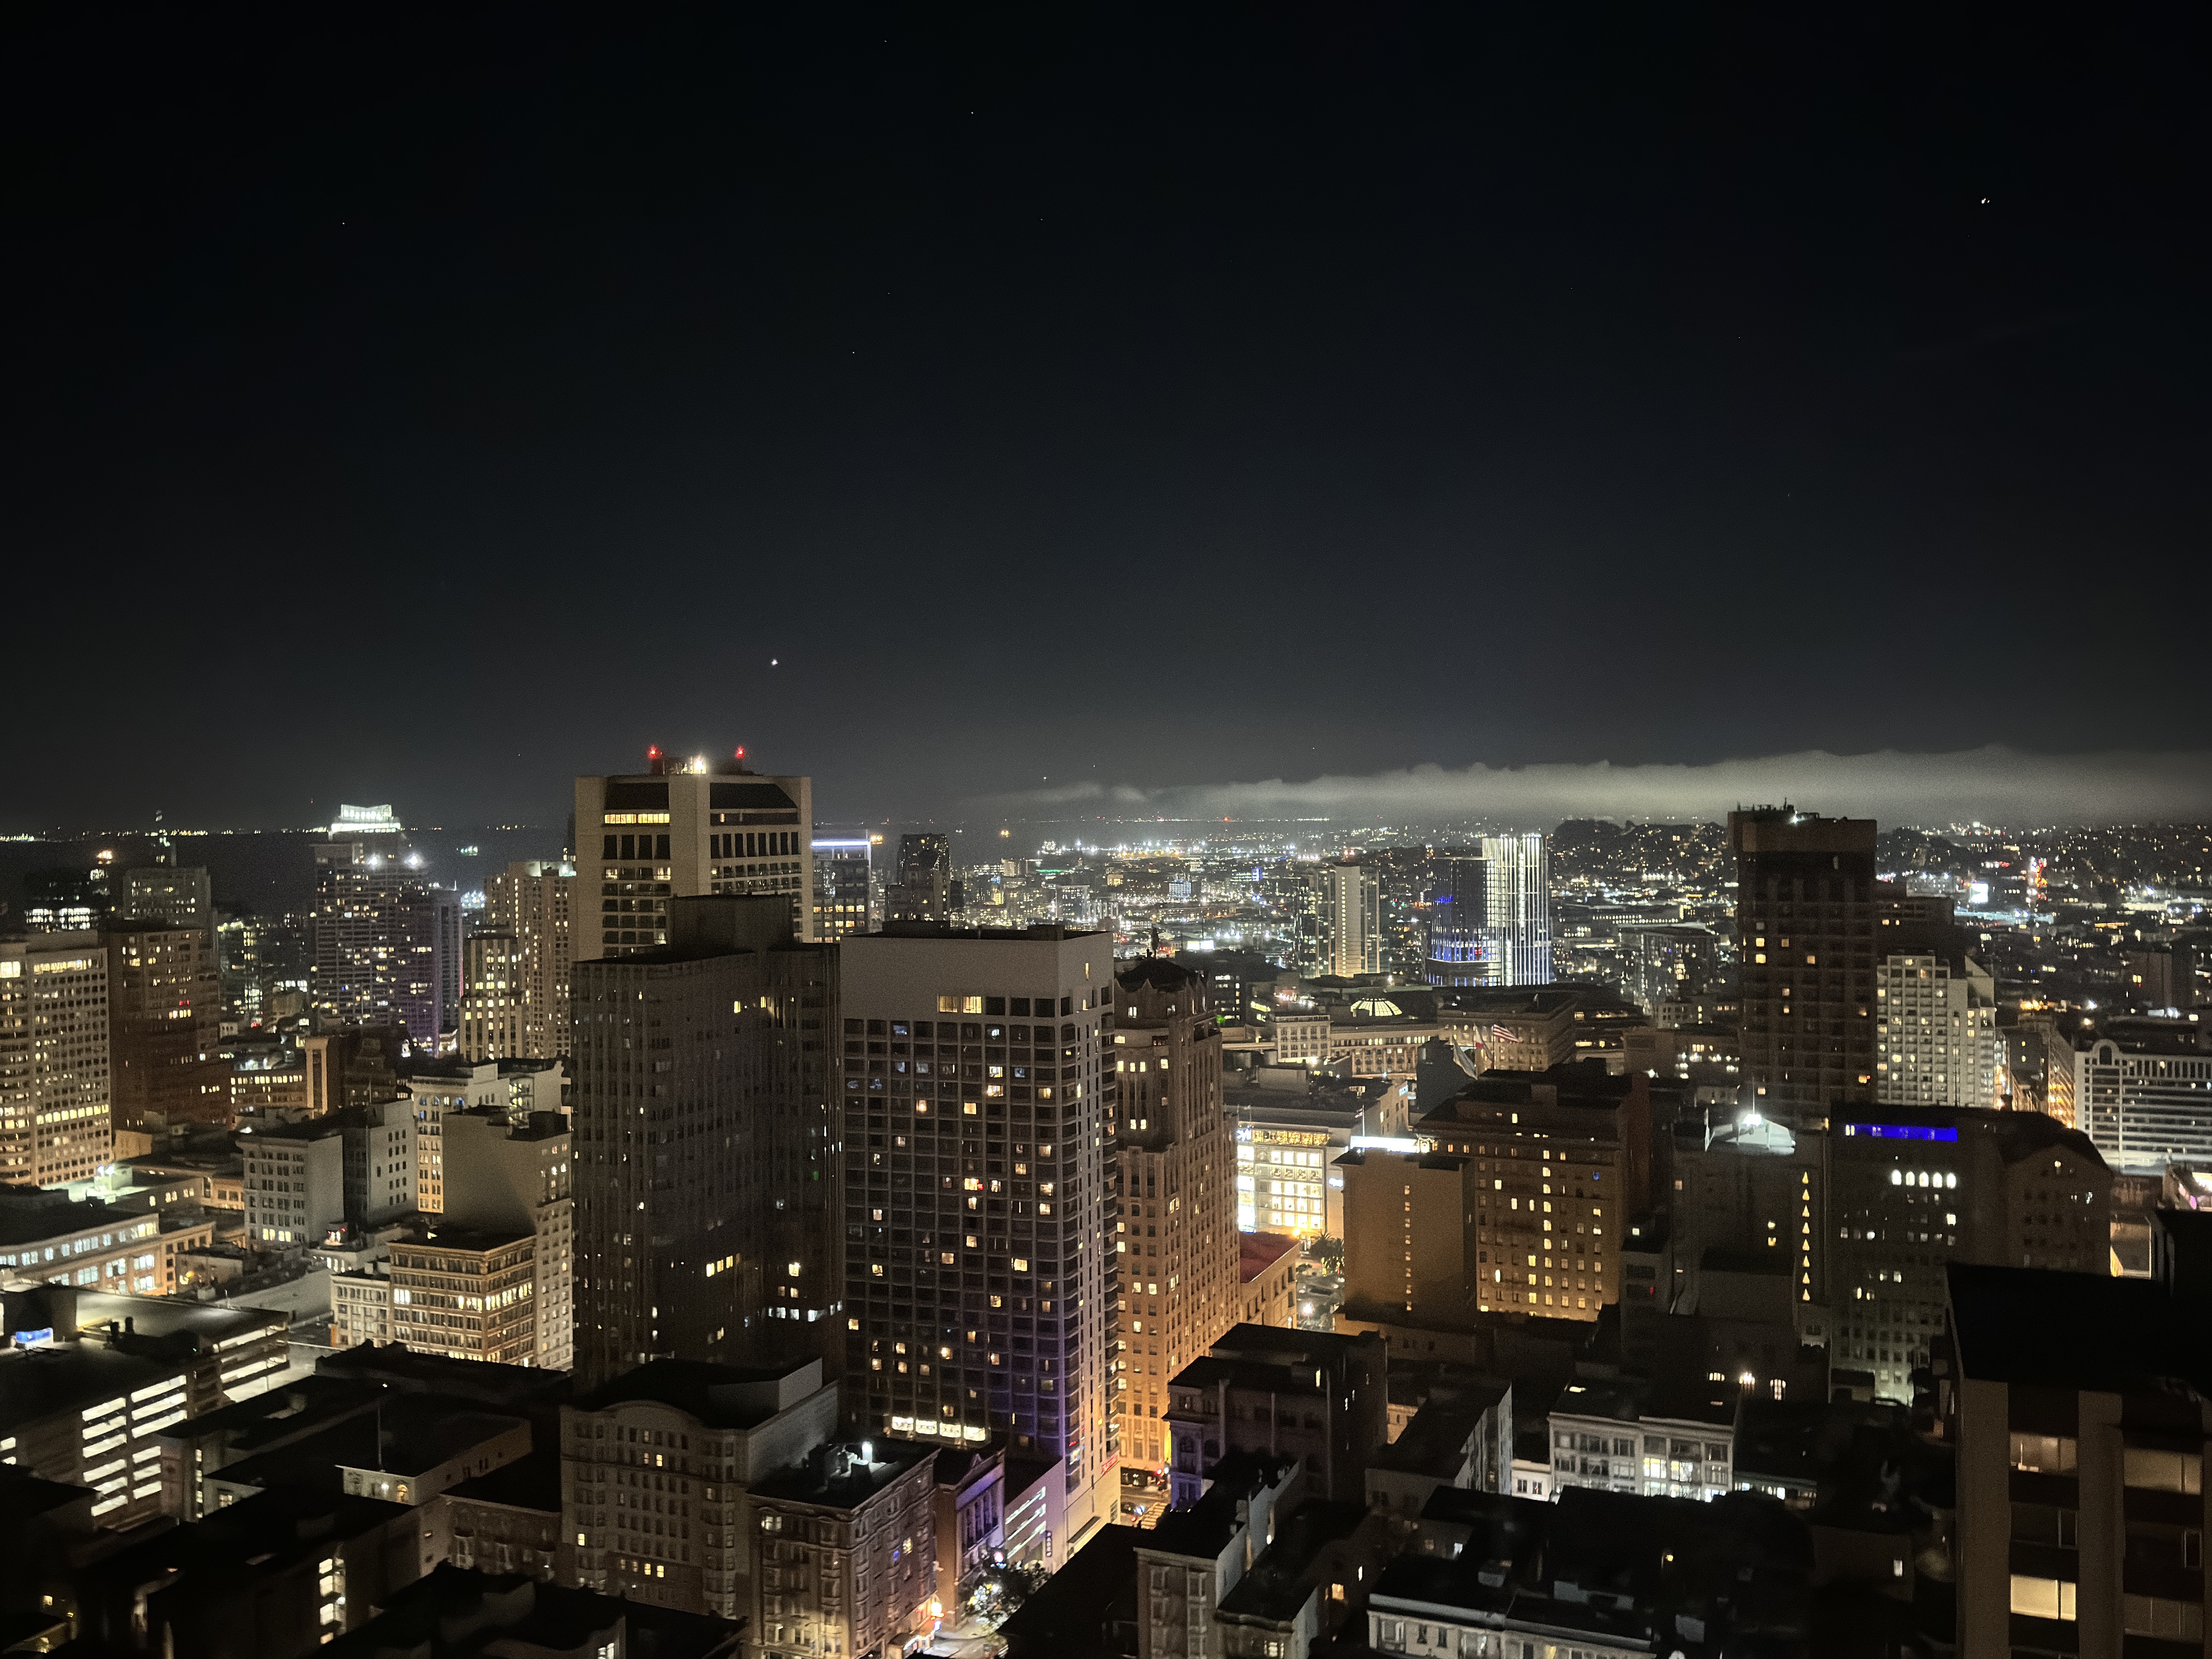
1176 1247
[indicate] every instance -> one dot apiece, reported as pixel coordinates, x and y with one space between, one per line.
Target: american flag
1503 1034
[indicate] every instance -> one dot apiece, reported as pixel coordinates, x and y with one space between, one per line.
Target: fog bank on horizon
1991 784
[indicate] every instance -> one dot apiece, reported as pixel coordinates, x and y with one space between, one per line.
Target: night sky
421 409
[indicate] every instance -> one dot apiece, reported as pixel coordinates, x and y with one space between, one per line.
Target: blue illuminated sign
1899 1132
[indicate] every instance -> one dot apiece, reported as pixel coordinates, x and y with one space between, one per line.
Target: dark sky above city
1082 408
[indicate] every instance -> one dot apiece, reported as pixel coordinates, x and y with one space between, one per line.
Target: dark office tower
445 964
166 896
1178 1250
925 888
974 1190
377 955
1805 940
842 870
164 1027
682 827
65 900
1461 947
705 1156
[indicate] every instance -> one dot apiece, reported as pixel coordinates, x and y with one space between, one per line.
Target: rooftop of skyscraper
718 1396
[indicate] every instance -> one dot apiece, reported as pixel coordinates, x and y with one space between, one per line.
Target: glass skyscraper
1490 920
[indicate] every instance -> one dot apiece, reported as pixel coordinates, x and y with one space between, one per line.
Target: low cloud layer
1993 785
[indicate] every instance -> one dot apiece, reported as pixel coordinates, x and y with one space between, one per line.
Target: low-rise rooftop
838 1477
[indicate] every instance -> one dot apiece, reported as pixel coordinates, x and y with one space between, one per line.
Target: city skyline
1996 787
1094 832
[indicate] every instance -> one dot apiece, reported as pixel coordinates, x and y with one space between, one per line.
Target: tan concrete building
845 1551
269 1087
1299 1036
510 1091
1349 900
1512 1028
468 1294
1267 1273
515 1001
2075 1408
1176 1243
1936 1031
491 996
1409 1237
1557 1162
515 1176
657 1468
682 828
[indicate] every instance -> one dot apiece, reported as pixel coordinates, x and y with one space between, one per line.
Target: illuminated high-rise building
491 997
1490 918
380 933
705 1143
514 1001
2142 1092
683 829
841 875
975 1201
510 1177
54 1078
1517 906
1935 1029
1177 1246
1805 910
1469 1240
1347 910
